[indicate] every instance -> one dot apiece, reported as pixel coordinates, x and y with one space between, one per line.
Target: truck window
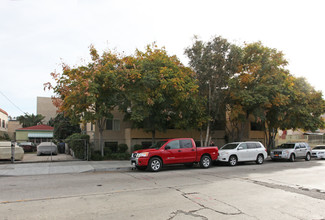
174 144
186 144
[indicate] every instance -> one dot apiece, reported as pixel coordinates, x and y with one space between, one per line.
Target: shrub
122 148
137 147
77 143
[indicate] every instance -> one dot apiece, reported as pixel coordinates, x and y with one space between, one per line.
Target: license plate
276 155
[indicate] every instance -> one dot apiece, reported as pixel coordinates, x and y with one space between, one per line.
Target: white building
3 122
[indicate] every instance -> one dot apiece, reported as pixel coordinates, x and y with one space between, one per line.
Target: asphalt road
274 190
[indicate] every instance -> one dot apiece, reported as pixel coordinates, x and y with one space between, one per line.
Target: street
274 190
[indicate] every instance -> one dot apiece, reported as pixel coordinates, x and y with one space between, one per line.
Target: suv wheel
155 164
260 159
233 160
205 161
292 158
308 157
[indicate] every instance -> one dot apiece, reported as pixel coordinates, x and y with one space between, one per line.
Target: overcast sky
36 36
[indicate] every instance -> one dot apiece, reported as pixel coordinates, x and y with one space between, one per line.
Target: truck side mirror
240 148
167 147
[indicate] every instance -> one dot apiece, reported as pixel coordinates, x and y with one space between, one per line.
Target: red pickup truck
173 151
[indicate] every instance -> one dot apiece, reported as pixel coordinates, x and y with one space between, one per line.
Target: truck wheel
155 164
292 158
233 160
260 159
308 157
205 161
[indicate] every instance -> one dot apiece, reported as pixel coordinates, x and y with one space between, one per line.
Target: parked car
291 151
47 148
318 152
5 151
28 146
235 152
173 151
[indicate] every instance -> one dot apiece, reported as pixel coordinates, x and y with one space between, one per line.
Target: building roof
37 128
3 111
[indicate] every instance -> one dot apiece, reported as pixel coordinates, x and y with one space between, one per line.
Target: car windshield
286 146
319 148
158 145
229 146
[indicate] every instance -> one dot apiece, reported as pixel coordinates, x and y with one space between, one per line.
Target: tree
28 120
161 92
63 127
89 93
261 89
214 62
306 107
266 90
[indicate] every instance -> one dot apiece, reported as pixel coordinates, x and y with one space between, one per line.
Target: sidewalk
26 169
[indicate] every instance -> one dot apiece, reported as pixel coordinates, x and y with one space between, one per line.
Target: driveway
32 157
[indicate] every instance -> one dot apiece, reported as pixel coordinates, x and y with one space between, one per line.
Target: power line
12 102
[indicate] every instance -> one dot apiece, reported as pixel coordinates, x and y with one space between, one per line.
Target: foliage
63 127
137 147
122 148
96 156
265 89
89 93
215 62
28 120
77 143
5 137
161 92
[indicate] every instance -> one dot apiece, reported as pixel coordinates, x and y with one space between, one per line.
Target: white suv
291 151
242 152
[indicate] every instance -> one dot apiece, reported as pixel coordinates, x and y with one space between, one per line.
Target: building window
113 124
3 123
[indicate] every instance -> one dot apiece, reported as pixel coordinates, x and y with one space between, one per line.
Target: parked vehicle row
184 151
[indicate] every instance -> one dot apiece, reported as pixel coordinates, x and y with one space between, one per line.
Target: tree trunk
101 126
207 135
153 139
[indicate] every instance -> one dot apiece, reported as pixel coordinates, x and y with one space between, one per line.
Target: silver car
291 151
318 152
47 148
242 152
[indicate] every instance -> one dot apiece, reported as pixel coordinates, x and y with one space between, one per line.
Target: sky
36 36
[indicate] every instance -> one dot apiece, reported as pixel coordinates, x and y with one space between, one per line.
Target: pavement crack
313 193
189 213
187 196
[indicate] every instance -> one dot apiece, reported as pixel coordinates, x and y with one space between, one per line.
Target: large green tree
29 120
89 93
214 62
265 89
63 127
161 92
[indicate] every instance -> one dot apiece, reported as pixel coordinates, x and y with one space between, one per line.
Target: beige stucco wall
46 108
13 125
